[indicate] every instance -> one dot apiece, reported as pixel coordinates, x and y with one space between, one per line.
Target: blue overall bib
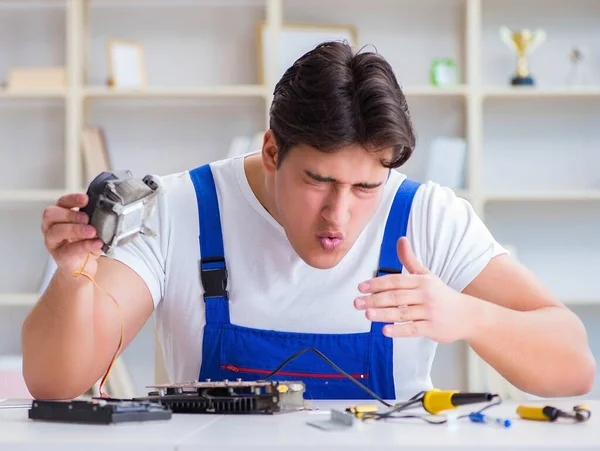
230 351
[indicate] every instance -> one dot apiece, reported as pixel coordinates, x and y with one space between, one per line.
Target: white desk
290 432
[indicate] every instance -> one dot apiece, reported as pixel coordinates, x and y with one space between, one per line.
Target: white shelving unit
56 94
548 92
548 196
22 195
190 92
18 299
531 163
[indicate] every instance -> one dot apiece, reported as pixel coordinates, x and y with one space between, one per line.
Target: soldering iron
436 401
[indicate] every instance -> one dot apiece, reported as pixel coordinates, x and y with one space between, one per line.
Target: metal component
337 420
120 206
230 396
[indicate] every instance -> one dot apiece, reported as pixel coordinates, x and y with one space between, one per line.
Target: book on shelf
96 158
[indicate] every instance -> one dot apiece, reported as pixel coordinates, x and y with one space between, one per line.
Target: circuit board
229 397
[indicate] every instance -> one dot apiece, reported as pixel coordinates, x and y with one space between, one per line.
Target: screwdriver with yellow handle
436 401
362 411
549 413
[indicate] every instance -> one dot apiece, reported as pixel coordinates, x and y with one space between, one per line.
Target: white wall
165 136
32 137
541 144
31 36
188 44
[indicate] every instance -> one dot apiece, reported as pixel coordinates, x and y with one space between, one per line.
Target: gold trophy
522 43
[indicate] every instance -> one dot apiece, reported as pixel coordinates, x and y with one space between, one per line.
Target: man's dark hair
332 97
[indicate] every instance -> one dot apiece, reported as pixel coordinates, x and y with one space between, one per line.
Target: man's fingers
390 282
398 314
55 215
74 200
391 298
412 329
78 248
408 258
59 233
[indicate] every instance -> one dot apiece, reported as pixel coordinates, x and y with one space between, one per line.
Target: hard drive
98 411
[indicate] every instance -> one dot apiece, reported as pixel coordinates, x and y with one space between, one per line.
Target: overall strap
395 227
213 270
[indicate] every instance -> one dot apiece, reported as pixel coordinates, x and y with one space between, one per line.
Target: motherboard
229 397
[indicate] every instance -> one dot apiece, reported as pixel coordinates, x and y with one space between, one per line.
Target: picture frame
295 39
126 64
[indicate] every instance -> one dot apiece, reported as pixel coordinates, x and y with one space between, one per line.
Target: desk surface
290 431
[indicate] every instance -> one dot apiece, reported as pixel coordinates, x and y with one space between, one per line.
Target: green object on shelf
444 72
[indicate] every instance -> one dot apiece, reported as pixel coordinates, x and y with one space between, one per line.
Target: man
303 228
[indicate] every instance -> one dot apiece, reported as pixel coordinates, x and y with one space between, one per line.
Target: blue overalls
230 351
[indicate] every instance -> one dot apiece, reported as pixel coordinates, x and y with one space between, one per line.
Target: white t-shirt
270 287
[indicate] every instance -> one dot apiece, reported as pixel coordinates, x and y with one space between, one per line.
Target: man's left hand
424 304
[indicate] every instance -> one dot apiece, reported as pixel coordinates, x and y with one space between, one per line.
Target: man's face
324 200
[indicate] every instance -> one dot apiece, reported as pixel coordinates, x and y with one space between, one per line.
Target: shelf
261 91
199 91
40 195
575 302
434 91
32 94
528 196
28 4
174 3
559 91
18 299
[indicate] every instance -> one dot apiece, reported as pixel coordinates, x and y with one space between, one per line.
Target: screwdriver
549 413
478 417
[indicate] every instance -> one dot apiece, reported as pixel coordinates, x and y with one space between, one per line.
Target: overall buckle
214 279
388 270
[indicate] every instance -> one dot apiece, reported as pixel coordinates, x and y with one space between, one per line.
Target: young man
325 246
